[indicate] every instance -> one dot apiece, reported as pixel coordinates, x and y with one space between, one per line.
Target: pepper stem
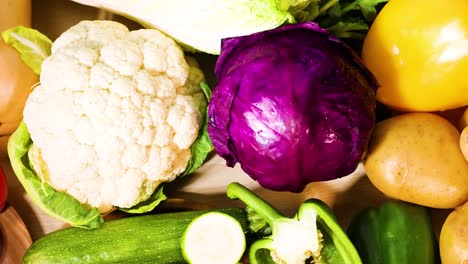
265 210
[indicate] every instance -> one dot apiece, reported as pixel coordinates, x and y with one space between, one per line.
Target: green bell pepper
313 234
395 232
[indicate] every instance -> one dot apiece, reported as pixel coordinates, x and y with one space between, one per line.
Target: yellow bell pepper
418 52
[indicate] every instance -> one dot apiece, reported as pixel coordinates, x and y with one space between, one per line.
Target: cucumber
152 238
213 237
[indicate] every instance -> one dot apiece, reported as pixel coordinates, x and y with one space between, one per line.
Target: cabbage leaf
200 25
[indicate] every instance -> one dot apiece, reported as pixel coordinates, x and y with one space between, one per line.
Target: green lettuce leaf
33 46
149 204
202 146
57 204
305 10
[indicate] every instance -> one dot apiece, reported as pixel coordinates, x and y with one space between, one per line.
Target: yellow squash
418 52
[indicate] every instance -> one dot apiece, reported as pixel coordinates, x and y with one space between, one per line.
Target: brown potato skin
463 126
463 122
416 157
453 241
464 143
16 79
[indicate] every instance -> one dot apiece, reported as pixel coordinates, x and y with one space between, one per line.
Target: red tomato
3 189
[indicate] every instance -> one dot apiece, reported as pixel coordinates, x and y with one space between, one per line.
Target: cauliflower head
115 114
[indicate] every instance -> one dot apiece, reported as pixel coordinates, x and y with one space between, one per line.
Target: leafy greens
345 18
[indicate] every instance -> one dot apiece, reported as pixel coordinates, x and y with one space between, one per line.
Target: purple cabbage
292 105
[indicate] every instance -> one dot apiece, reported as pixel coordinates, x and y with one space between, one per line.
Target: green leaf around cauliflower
149 204
57 204
33 46
202 146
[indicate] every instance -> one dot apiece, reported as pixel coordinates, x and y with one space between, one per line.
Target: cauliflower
115 114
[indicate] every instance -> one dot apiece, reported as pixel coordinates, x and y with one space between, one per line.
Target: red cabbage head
293 105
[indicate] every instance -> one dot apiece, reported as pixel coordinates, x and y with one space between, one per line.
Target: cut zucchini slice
213 237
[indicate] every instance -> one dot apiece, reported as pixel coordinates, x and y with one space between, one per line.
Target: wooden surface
15 238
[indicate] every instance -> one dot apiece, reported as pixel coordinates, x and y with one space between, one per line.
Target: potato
16 78
463 126
464 143
463 122
454 116
453 241
415 157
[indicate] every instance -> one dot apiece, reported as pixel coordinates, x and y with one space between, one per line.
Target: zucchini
214 237
154 238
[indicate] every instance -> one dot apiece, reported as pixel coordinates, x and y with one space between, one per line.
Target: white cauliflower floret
115 113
